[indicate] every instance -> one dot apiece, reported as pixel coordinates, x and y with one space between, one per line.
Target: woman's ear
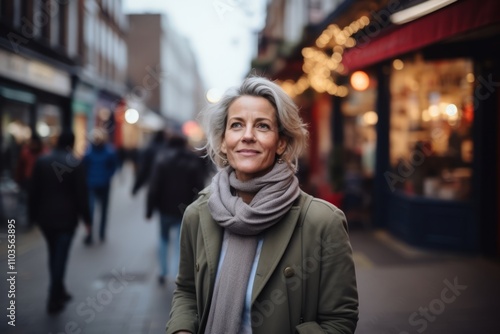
282 142
223 147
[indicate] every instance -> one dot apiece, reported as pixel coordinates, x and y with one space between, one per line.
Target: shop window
430 129
359 145
15 119
360 136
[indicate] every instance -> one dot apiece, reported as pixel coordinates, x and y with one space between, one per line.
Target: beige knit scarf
275 193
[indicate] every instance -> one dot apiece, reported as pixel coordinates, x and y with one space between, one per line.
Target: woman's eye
263 126
235 125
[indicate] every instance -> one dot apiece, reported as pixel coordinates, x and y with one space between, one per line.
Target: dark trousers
101 195
58 243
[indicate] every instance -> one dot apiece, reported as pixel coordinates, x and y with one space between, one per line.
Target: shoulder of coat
322 211
200 202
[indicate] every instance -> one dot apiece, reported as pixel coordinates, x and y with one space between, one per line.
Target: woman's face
251 139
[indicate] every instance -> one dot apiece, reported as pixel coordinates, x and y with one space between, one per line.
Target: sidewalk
404 290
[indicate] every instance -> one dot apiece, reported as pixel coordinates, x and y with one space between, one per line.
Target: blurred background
402 101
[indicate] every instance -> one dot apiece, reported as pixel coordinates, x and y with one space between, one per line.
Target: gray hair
291 127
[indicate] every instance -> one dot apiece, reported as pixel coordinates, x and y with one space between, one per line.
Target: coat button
197 267
289 272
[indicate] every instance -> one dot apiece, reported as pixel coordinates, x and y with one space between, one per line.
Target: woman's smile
248 153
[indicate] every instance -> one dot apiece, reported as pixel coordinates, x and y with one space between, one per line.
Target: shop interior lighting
370 117
43 129
419 10
470 77
131 116
451 110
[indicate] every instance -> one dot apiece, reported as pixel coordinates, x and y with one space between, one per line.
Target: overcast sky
222 33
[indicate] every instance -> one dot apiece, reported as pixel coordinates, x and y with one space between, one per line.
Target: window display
14 120
431 148
359 147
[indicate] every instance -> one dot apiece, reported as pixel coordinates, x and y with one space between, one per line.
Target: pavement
402 289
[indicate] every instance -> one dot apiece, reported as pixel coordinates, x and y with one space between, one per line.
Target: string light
324 60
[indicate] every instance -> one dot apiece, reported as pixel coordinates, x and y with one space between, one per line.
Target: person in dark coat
146 159
58 199
175 182
101 162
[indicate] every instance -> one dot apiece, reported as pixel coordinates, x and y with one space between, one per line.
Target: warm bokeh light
370 118
131 116
434 111
398 64
192 130
425 115
470 77
360 80
320 64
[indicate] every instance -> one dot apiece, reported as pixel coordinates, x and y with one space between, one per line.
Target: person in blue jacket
101 162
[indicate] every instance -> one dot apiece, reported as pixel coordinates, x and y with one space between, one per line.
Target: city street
114 284
402 290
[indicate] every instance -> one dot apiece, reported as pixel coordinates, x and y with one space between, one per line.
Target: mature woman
258 255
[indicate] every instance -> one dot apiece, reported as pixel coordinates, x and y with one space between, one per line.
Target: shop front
431 152
34 100
436 99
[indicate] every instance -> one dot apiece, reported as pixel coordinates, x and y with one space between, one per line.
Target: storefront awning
460 17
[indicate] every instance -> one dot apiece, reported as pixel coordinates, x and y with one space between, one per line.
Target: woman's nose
248 134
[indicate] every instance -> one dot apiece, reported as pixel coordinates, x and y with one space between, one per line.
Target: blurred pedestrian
175 182
101 163
58 199
30 151
258 254
146 159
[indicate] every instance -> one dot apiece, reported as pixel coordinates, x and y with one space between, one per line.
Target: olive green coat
305 280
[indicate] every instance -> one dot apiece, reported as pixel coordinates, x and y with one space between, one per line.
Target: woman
258 255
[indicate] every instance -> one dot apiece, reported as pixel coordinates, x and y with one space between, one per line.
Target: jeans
170 228
101 195
59 244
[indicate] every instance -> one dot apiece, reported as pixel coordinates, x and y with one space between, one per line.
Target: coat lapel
273 248
212 239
